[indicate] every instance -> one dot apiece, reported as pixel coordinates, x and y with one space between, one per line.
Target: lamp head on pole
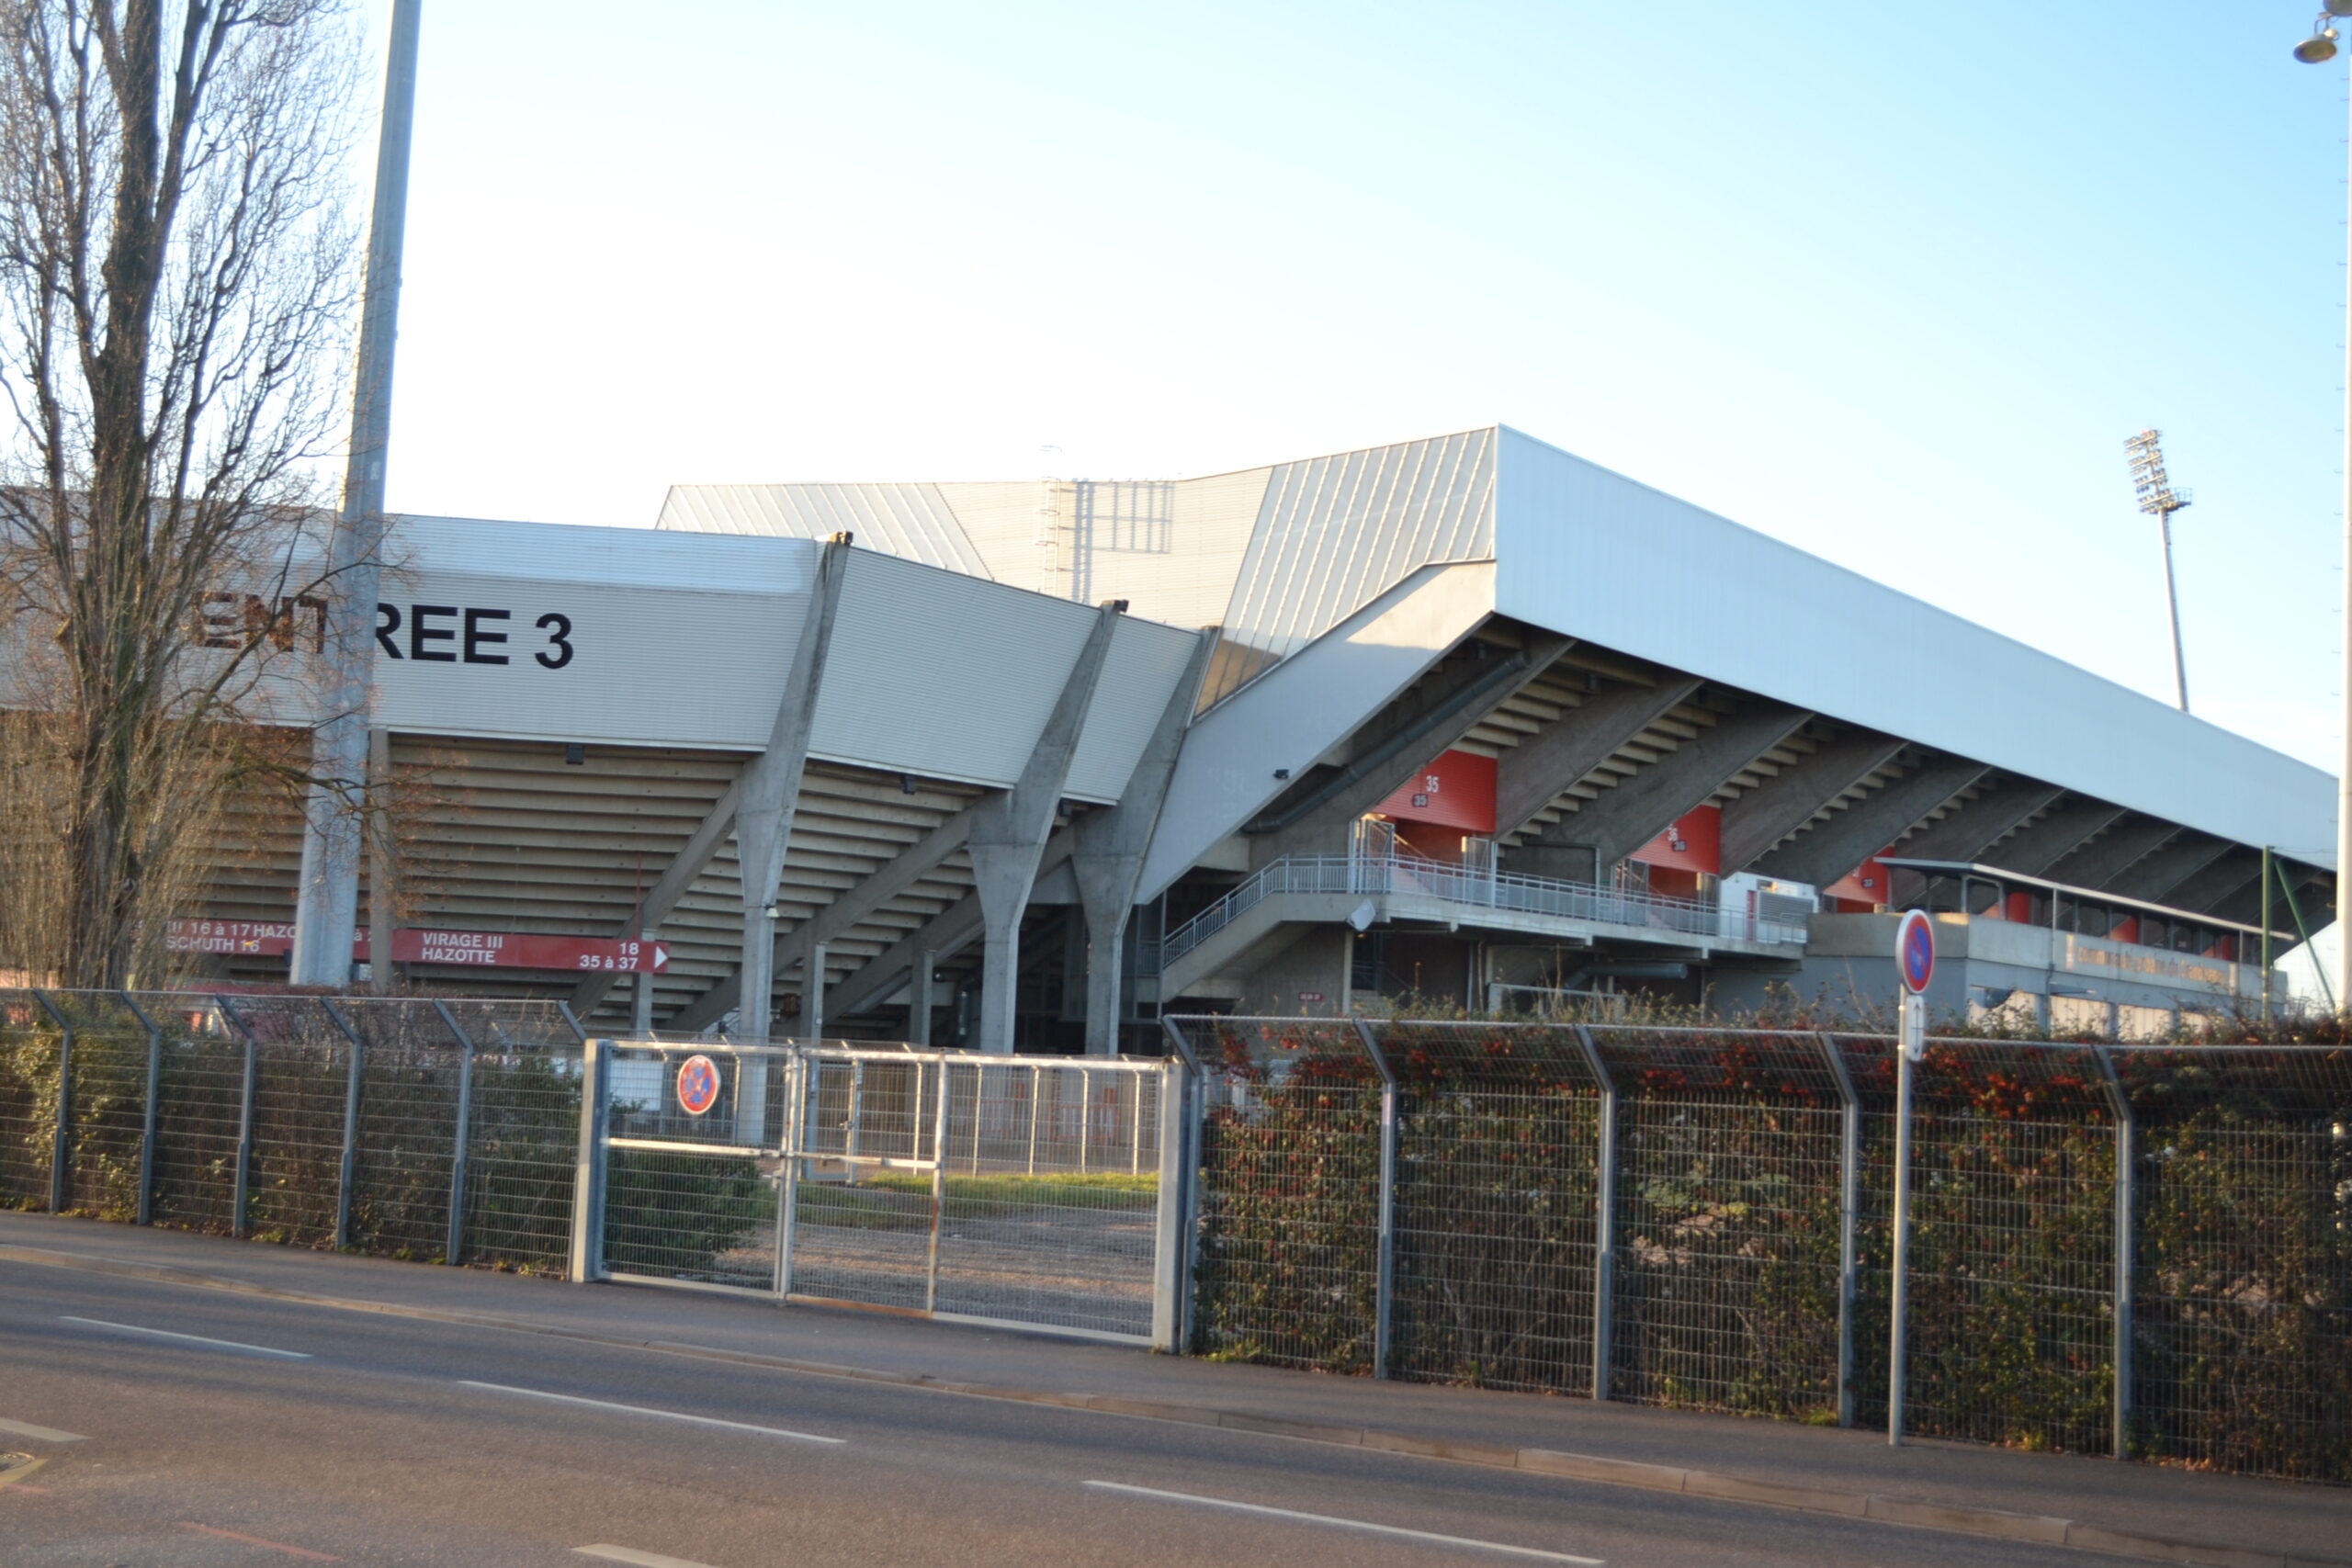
2320 47
2339 7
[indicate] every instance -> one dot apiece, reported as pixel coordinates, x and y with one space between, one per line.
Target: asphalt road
219 1432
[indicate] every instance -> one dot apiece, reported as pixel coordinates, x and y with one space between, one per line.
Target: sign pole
1914 964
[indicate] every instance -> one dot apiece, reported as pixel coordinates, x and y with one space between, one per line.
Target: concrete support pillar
756 1005
1003 888
1105 930
1107 858
771 794
918 999
1008 833
812 994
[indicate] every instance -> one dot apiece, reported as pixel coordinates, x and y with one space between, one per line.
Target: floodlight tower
2160 501
2318 50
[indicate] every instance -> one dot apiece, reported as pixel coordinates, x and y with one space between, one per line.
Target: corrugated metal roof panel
913 521
1002 520
1334 533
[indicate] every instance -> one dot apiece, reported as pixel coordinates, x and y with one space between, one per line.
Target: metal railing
2138 1251
407 1128
1473 887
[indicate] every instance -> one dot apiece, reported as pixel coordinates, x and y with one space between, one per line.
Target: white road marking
189 1339
642 1559
40 1434
665 1414
1346 1523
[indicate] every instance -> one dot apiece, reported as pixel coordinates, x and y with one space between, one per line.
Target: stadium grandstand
1024 764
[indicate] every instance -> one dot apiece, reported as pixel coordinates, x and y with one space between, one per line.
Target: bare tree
176 281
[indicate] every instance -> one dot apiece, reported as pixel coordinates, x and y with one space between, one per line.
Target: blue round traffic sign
697 1085
1914 950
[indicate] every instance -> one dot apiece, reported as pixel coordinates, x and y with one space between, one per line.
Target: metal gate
1034 1191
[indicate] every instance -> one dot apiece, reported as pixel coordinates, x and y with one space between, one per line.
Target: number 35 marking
558 653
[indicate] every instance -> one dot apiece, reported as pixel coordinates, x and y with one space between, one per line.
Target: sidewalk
2137 1510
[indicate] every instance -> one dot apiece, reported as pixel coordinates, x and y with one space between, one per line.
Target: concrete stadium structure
1029 762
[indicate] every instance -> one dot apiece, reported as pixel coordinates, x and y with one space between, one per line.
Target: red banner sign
476 950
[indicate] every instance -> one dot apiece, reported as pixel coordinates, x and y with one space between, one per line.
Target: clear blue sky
1891 284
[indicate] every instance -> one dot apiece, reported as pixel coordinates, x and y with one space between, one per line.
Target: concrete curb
2039 1529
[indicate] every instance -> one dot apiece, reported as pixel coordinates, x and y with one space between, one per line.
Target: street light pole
327 898
2157 498
2343 762
2317 49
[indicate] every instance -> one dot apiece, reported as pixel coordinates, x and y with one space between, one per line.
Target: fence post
1384 1289
1168 1224
1135 1113
938 1181
587 1194
347 1169
1898 1292
2126 1156
148 1114
856 1115
1850 1170
1036 1094
1187 1241
240 1215
462 1135
796 1120
61 1140
1604 1218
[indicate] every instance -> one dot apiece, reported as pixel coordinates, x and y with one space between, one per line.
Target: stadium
1024 764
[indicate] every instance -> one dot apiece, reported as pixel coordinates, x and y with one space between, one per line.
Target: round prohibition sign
697 1085
1914 950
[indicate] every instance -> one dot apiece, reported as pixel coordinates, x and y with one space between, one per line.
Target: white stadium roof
1277 555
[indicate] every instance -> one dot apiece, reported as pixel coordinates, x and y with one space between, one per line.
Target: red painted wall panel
1866 885
1695 843
1455 791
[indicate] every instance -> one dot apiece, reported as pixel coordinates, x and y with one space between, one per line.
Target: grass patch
900 1200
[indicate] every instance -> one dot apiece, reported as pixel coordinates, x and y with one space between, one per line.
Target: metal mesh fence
412 1072
1736 1185
1497 1155
864 1220
702 1211
523 1132
875 1151
1289 1199
302 1091
28 1071
199 1112
2012 1261
1728 1221
1062 1240
107 1104
2242 1310
1733 1157
243 1114
522 1152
